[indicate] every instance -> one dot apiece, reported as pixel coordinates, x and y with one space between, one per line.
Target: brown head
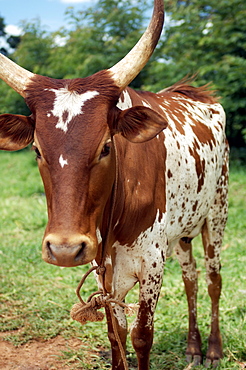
72 125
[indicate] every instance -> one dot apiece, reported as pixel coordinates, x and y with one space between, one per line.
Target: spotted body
190 191
129 177
168 190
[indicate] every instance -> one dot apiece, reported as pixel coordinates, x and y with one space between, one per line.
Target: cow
129 177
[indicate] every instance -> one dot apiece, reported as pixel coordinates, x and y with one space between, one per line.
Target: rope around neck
88 311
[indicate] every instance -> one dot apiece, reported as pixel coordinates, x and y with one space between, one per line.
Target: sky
50 12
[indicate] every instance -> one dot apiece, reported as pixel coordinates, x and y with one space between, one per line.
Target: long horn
14 75
129 67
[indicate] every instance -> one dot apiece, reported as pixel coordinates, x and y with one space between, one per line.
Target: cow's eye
106 150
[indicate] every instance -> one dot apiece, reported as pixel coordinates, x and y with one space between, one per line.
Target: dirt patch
36 355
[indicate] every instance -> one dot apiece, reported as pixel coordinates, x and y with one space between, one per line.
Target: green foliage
34 49
238 157
35 297
2 27
209 38
11 102
12 41
97 38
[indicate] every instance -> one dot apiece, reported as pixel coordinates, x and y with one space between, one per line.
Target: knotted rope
88 311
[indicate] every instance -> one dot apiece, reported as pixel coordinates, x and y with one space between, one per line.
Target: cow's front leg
143 326
142 335
117 331
124 278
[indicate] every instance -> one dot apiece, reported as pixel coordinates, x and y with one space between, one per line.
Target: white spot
99 236
63 162
48 114
146 104
119 313
116 224
124 101
68 104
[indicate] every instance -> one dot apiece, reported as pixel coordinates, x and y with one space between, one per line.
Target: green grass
35 298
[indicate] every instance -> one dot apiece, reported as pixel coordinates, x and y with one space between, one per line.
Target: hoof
210 363
194 359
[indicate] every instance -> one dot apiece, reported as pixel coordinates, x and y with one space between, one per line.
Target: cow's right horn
14 75
129 67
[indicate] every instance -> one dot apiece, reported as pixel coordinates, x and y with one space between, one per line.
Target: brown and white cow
113 174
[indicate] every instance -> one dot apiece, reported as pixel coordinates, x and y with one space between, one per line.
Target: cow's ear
139 124
16 131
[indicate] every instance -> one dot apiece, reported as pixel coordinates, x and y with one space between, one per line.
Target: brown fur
100 81
202 93
15 128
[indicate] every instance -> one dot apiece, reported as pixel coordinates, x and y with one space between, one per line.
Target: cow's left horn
129 67
14 75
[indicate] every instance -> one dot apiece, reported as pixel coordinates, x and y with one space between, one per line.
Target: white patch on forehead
68 104
63 162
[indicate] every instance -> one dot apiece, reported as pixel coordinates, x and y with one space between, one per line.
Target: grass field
35 298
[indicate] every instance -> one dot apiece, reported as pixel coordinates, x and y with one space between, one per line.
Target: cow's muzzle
69 252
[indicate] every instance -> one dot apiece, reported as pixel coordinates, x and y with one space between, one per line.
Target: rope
88 311
82 282
117 337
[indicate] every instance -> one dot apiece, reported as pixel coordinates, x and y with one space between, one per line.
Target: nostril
49 251
80 253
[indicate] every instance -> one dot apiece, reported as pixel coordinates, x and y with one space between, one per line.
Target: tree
10 41
9 99
34 49
2 27
32 52
98 37
94 40
2 35
200 36
209 38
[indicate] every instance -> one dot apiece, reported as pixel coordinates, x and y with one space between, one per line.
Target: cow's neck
140 186
132 207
